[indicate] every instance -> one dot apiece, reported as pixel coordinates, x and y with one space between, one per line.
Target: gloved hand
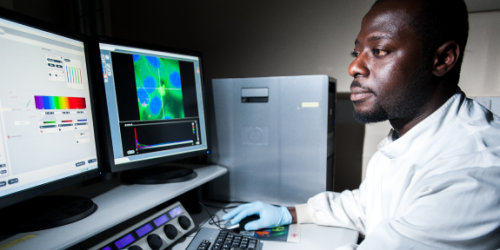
270 216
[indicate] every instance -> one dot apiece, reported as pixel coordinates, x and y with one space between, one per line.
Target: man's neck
403 125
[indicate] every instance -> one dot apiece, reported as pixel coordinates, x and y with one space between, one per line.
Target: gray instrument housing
275 135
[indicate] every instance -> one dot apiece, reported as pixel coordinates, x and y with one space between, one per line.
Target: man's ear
445 58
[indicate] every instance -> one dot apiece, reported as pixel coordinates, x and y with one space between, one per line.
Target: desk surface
118 204
312 236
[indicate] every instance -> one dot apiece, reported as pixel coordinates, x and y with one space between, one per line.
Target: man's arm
344 209
293 212
328 208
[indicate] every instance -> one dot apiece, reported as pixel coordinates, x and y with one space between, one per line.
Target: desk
118 204
313 237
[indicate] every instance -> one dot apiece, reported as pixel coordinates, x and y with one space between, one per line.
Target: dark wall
250 38
169 23
58 12
7 4
348 146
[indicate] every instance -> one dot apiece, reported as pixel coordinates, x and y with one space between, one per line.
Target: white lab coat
436 187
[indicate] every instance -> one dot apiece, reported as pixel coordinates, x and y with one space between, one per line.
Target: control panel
154 233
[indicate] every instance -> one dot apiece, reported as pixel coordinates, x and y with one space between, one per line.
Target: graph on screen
140 146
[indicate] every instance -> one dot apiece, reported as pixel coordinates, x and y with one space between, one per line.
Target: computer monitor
47 138
154 110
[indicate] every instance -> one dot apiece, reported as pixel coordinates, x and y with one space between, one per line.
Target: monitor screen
46 126
154 102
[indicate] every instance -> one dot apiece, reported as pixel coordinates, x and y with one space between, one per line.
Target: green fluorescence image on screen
159 88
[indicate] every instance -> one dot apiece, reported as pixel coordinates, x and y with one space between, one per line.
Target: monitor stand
158 175
45 212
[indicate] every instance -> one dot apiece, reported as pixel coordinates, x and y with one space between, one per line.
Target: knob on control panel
170 231
184 222
158 231
155 241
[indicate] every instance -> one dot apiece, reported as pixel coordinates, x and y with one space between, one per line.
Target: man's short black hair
440 21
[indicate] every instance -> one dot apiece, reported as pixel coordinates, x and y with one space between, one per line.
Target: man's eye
379 52
354 54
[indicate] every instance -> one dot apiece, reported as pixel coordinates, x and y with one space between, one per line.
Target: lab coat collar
423 132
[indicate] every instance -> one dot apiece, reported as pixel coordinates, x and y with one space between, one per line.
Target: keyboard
215 239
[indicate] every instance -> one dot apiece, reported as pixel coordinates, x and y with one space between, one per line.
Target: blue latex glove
270 216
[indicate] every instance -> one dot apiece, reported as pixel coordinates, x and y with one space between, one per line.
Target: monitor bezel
108 160
33 192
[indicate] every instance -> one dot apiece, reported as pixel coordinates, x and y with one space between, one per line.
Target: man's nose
358 67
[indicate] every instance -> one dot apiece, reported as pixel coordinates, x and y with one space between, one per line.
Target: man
435 181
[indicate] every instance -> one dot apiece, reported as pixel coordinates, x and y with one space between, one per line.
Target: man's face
390 74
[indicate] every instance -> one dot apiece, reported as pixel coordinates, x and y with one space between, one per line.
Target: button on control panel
154 233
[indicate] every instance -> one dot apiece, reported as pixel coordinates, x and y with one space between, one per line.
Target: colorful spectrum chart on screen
59 102
159 88
74 74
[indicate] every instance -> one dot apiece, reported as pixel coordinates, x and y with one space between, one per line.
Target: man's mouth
359 94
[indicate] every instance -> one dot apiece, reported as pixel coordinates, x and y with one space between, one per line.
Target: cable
216 223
